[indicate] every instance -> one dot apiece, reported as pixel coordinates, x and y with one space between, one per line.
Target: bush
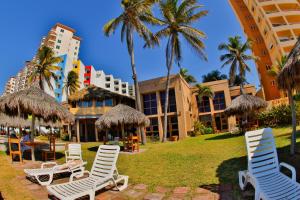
200 129
64 136
277 116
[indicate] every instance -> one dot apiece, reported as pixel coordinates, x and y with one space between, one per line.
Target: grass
193 162
10 187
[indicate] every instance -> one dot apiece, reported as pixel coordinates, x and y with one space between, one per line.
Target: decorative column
77 130
96 134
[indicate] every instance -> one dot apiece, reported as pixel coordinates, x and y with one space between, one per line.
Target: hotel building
184 107
10 86
273 26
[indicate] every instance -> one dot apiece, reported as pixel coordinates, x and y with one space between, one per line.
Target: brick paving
140 191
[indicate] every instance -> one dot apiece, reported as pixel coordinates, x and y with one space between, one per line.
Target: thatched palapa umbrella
35 102
245 104
289 80
122 115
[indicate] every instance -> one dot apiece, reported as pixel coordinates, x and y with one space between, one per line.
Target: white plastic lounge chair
103 173
74 152
264 170
44 175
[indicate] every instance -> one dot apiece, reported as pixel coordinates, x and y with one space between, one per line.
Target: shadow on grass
224 136
227 171
94 149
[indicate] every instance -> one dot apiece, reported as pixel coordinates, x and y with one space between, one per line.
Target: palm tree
275 71
176 23
204 91
213 76
187 77
133 18
236 56
45 67
238 81
71 84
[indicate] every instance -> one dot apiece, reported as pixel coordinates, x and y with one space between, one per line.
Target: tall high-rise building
10 86
273 26
106 81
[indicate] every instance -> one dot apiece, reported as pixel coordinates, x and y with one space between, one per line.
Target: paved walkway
138 191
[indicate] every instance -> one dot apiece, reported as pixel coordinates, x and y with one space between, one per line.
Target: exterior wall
273 27
10 86
187 104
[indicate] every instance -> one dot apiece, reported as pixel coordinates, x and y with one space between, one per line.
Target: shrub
277 116
200 129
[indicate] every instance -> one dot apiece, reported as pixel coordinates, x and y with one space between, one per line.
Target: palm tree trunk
136 84
293 136
32 136
244 116
169 67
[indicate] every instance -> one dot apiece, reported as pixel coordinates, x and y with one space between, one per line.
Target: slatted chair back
15 147
262 154
105 161
75 150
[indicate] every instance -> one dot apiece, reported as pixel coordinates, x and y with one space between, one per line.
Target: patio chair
103 173
49 153
15 148
264 170
74 152
45 174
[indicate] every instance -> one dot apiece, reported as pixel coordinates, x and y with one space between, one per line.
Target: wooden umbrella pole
32 136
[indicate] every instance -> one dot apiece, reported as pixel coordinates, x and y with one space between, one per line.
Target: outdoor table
33 145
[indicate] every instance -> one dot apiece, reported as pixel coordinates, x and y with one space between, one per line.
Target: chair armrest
48 163
78 174
291 168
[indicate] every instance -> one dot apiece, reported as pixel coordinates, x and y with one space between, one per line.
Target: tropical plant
204 91
71 83
214 75
45 67
133 18
276 69
239 80
187 77
236 56
176 21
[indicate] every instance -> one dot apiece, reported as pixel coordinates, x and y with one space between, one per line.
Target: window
108 102
124 91
116 82
172 101
107 78
99 103
152 130
219 101
172 127
123 85
75 53
268 67
57 47
62 30
76 48
150 104
85 104
107 85
273 83
58 41
203 105
73 104
75 66
116 89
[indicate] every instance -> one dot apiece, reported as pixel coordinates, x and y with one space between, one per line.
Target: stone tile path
136 192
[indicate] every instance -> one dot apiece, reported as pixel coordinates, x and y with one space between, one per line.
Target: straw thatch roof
244 104
94 92
122 114
37 102
289 76
16 122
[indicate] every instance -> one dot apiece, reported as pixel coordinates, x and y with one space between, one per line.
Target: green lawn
203 160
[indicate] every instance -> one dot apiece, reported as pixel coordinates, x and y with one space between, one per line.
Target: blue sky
23 23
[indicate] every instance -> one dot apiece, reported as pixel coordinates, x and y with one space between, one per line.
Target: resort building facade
273 27
10 86
185 107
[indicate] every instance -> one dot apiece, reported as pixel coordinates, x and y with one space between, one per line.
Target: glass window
73 104
58 41
203 105
172 126
85 104
219 101
62 30
152 130
108 102
172 100
57 47
150 104
99 103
